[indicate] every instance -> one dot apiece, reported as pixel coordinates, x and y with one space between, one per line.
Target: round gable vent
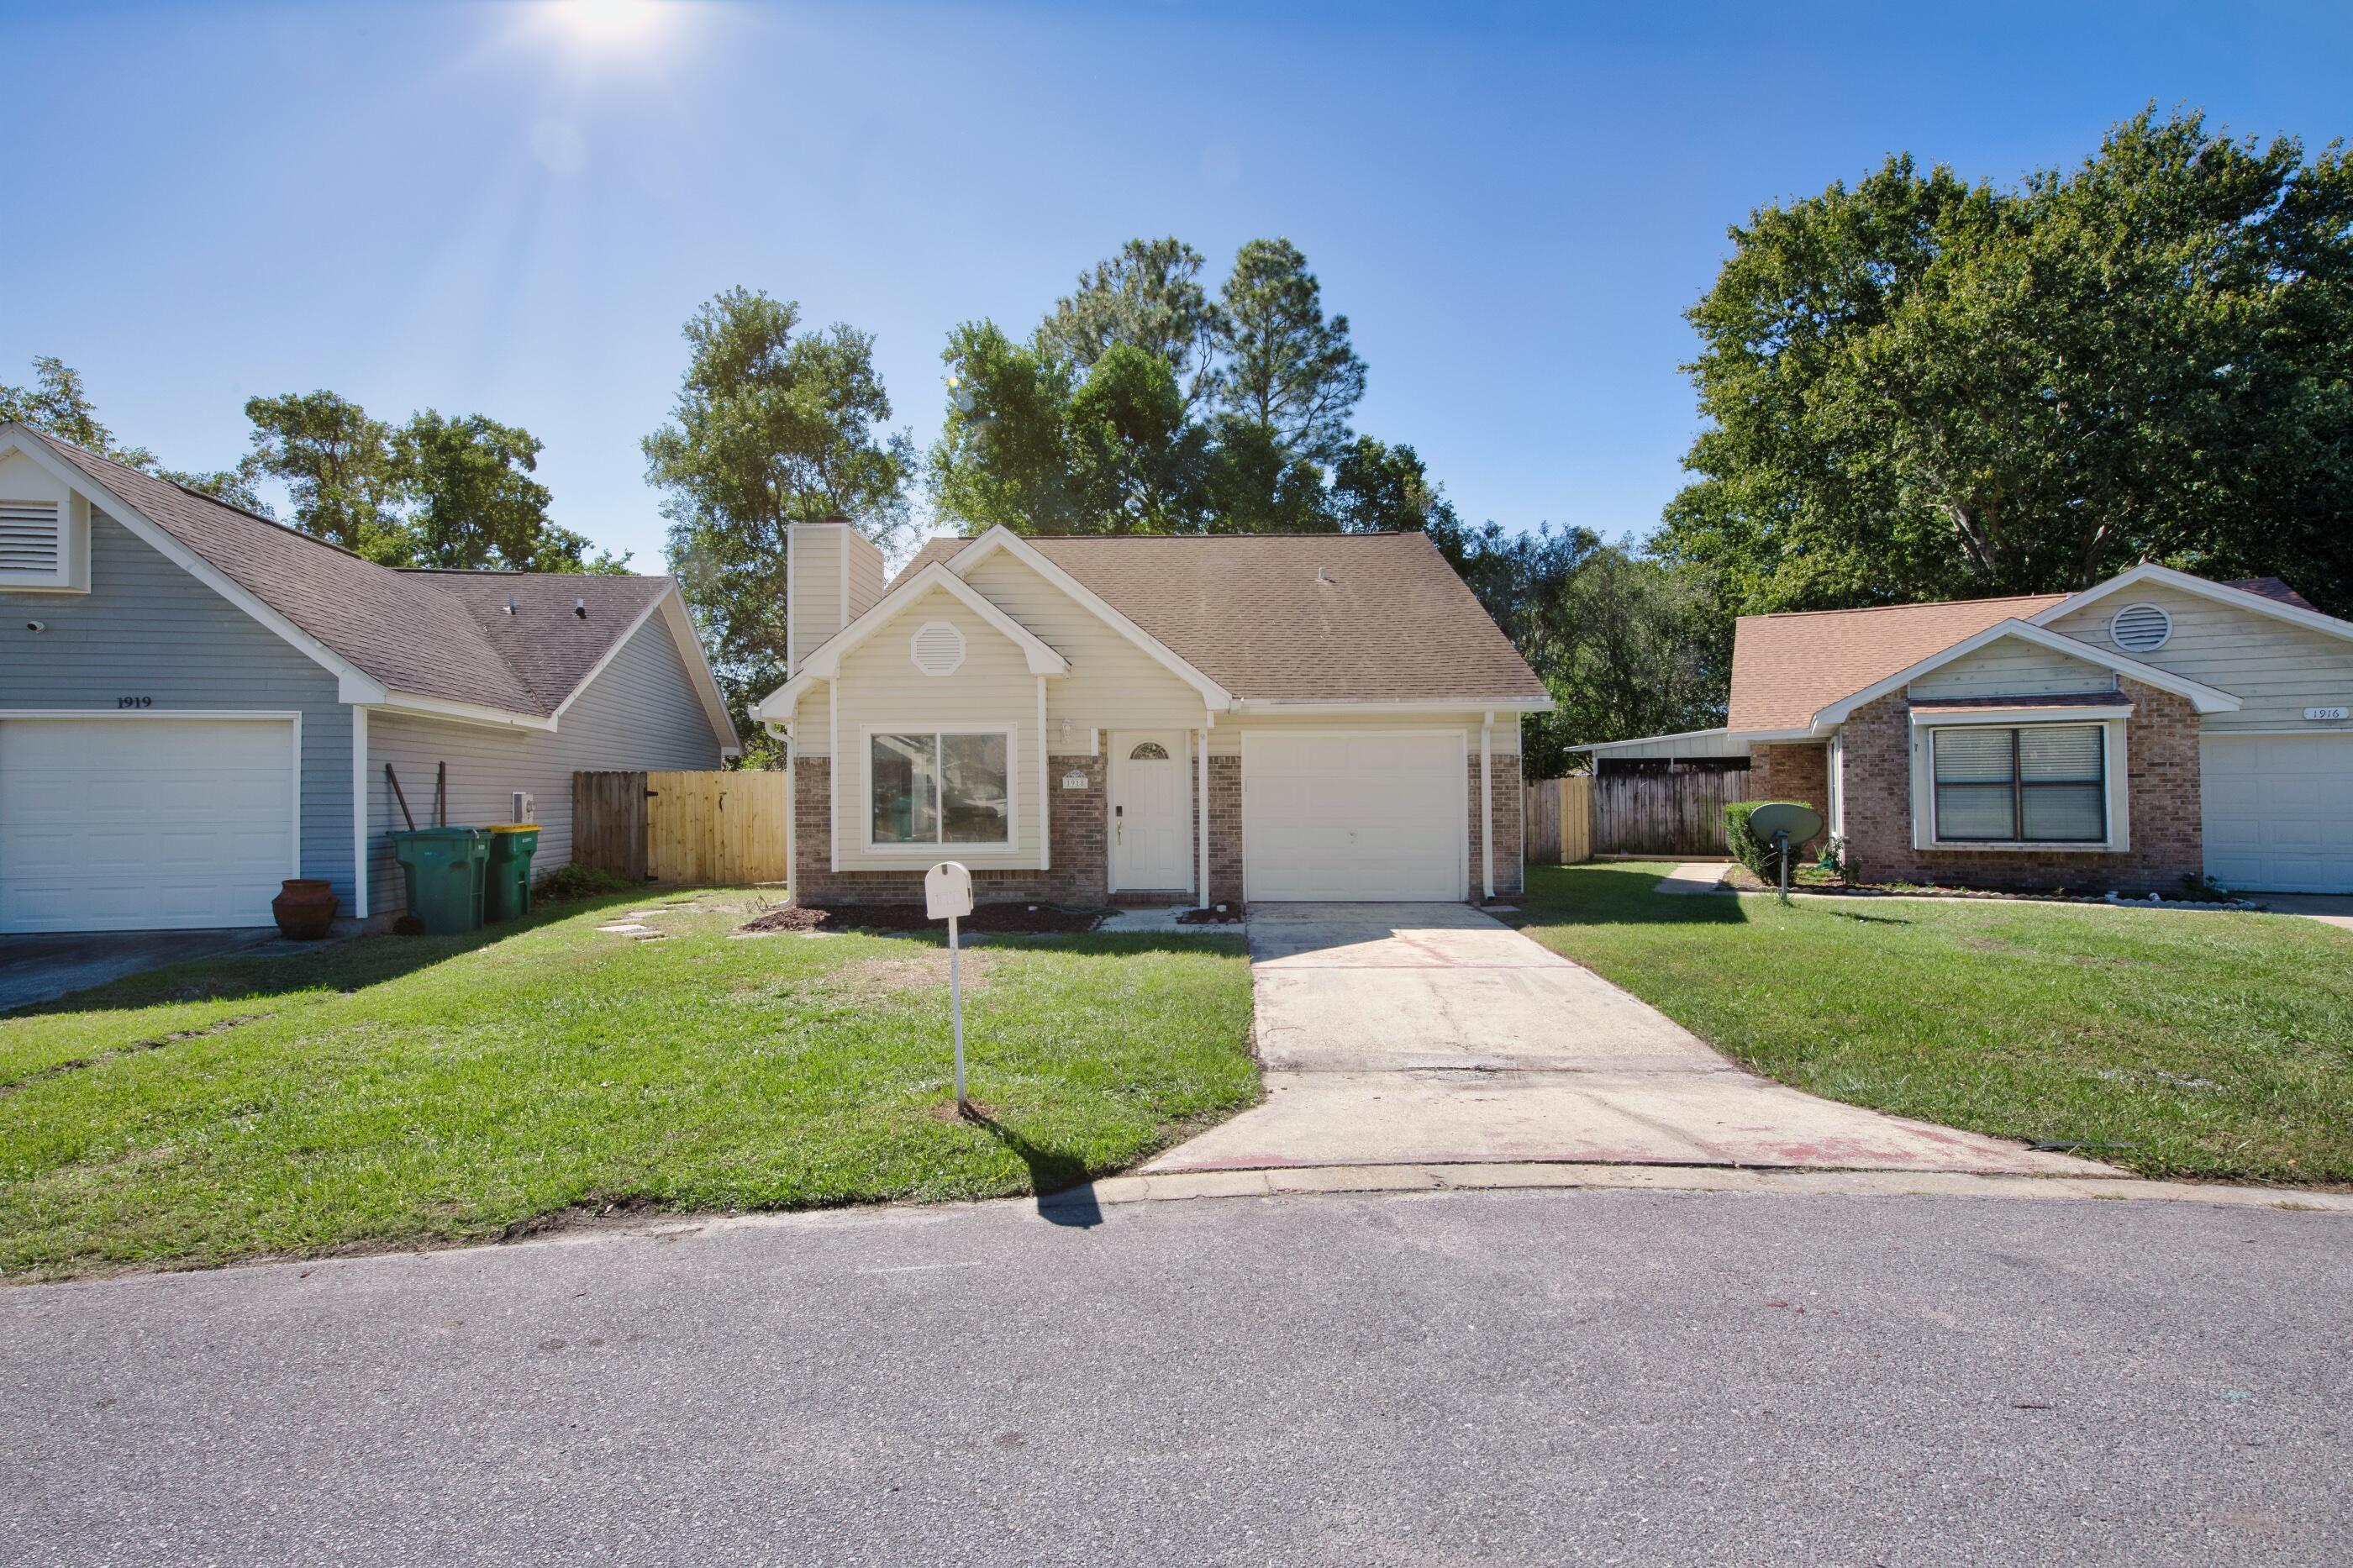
936 647
2140 628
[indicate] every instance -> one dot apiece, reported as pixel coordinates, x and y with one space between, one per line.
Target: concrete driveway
1431 1034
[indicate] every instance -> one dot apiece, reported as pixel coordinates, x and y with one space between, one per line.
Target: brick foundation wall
1509 800
2162 790
1800 771
1075 825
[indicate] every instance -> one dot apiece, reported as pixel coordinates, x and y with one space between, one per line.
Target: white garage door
2279 813
1353 815
139 824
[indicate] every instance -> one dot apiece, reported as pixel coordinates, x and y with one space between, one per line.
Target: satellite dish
1799 822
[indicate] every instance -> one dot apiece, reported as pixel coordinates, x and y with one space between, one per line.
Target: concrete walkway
2329 908
1695 876
1429 1034
35 969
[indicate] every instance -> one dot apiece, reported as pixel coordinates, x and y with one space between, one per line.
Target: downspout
359 812
1487 805
1201 822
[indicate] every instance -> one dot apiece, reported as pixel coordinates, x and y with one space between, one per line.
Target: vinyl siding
2275 669
1111 682
882 688
814 588
147 629
866 573
641 711
2012 667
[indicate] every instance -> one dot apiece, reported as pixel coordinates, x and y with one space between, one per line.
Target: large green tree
1922 388
1148 297
1287 370
59 402
339 467
772 425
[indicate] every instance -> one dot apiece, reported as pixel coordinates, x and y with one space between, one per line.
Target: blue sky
498 208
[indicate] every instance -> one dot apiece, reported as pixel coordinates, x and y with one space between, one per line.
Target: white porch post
1044 828
1487 805
1202 819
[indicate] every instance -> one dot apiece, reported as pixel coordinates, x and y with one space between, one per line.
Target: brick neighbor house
2155 726
1181 721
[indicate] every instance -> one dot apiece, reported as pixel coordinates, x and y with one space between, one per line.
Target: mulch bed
1748 881
1231 915
910 916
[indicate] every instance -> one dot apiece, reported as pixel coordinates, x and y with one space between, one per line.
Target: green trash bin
506 880
444 868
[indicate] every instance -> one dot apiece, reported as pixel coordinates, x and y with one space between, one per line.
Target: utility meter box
525 808
947 891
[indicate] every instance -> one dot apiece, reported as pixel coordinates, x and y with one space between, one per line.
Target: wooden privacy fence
1559 821
1663 814
725 826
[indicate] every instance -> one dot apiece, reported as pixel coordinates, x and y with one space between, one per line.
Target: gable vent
2140 628
936 647
30 538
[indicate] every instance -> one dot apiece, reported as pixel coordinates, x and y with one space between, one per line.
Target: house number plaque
2321 713
1074 779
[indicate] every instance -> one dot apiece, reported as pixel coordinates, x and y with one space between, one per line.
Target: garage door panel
1352 816
2278 812
136 824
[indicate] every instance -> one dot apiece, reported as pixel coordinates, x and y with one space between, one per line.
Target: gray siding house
196 703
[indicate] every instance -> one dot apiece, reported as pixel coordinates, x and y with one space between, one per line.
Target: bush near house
1758 854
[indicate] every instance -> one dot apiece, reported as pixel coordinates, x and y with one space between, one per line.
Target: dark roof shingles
441 634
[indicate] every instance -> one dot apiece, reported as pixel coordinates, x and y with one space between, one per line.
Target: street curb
1312 1180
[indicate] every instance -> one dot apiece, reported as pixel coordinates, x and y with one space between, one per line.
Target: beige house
2155 726
1194 720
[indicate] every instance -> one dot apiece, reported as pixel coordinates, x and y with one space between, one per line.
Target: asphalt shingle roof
430 634
1787 667
1393 624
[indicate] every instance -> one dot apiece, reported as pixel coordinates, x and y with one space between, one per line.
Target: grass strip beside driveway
411 1090
2203 1045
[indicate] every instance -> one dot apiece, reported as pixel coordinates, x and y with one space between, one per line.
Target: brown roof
1393 624
2273 588
1787 667
429 634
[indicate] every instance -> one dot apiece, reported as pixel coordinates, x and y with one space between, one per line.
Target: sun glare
606 21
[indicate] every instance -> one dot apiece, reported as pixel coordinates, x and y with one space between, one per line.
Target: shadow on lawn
1066 1194
349 965
1604 894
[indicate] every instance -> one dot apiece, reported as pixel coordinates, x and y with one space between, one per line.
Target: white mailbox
947 891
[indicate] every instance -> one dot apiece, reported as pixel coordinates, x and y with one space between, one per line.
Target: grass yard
2214 1046
408 1090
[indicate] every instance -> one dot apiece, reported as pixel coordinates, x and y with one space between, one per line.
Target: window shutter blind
31 538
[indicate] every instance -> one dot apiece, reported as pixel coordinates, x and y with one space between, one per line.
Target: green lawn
400 1089
2216 1045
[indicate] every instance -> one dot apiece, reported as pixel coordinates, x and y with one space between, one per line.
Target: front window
940 788
2038 783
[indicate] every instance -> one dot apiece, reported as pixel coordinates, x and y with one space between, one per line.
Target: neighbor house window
940 788
2038 783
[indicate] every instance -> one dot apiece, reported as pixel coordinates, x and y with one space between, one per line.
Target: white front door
139 824
1355 814
2278 812
1151 810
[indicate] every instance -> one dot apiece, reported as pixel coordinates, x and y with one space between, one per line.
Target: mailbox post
947 895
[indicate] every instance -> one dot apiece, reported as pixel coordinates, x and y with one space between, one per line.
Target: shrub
575 881
1758 854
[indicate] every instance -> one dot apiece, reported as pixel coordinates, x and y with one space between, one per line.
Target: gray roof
442 635
1332 617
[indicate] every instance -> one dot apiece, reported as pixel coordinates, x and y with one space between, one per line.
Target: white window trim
1923 789
938 848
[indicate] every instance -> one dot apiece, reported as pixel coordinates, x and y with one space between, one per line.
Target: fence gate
1559 821
725 825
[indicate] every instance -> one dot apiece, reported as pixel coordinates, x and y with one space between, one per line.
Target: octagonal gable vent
2140 628
936 647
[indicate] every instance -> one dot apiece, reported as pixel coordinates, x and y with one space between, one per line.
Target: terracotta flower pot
305 909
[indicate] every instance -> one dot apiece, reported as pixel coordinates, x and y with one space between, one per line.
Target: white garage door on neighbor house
139 822
2279 812
1349 815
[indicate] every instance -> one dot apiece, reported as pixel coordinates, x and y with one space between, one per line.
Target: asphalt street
1547 1377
